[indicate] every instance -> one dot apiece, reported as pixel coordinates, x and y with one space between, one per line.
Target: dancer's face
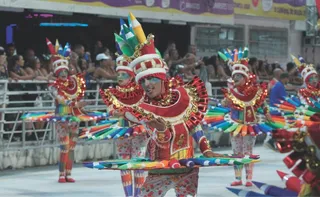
313 80
239 80
152 86
123 78
63 74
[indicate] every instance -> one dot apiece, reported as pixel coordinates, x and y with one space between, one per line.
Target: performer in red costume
173 113
67 91
125 94
310 95
305 106
244 96
304 161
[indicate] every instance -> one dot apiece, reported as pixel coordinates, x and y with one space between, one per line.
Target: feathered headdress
144 59
306 70
237 60
59 56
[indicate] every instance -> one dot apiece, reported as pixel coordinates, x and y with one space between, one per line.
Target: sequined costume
239 117
170 162
181 107
303 144
129 147
303 108
67 93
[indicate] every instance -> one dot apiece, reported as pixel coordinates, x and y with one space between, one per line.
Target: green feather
246 52
124 46
130 37
222 56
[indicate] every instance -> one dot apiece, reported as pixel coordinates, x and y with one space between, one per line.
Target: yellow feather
296 61
57 45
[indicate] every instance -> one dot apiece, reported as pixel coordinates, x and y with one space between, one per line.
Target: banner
194 7
282 9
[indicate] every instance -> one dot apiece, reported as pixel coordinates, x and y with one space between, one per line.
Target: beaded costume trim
71 89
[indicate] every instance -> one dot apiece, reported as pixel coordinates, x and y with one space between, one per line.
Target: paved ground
42 181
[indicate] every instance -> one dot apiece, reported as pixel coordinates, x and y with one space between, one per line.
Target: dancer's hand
268 117
211 154
81 104
225 102
117 113
157 123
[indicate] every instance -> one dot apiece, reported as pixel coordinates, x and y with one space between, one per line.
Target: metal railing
16 134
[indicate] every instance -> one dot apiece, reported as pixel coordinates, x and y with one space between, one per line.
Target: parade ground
42 181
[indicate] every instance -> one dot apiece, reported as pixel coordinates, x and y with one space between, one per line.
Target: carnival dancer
310 95
127 93
305 107
67 91
243 96
304 160
173 114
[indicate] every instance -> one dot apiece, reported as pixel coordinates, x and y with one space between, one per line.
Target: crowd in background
99 64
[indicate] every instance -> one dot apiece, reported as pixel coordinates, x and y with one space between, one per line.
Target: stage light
63 25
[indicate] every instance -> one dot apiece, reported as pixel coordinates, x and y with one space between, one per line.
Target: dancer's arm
159 128
64 101
202 141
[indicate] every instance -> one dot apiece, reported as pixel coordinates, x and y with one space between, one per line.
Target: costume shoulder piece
185 103
122 96
251 95
72 89
309 95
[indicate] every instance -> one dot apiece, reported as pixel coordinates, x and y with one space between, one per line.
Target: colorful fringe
52 117
218 118
146 164
108 129
303 114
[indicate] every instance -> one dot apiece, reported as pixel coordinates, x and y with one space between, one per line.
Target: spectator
190 65
34 69
278 91
46 67
11 50
3 76
171 45
262 73
104 50
29 57
105 68
223 70
16 70
211 66
79 50
192 49
174 58
276 77
97 48
253 65
73 66
203 74
294 74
